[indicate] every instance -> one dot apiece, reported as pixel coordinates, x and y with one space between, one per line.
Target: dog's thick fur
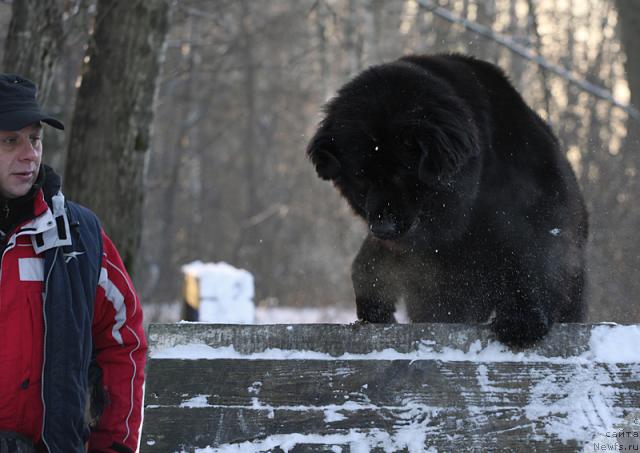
473 210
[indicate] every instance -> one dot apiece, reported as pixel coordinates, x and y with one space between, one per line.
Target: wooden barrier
402 387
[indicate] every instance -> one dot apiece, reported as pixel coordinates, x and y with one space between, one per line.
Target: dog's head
391 137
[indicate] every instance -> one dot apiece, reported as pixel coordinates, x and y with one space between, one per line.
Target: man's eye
9 141
35 138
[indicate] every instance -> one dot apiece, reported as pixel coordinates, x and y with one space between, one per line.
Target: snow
608 344
588 399
269 314
358 442
305 315
226 293
620 344
226 297
265 314
196 401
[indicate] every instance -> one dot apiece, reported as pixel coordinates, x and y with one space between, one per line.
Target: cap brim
16 120
53 123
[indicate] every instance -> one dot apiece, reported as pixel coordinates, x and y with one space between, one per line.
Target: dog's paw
375 313
521 329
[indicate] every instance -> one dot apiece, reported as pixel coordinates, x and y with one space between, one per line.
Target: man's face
20 157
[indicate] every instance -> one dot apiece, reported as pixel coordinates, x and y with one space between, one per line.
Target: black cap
18 105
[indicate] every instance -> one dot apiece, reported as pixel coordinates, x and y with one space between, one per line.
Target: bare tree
109 140
353 38
629 23
34 42
629 20
533 17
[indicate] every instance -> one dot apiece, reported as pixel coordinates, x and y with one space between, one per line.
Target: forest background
187 123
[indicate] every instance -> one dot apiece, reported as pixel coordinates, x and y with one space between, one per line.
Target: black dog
473 210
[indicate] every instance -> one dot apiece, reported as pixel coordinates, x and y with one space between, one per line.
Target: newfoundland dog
474 213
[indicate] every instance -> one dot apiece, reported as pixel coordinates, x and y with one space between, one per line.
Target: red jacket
118 340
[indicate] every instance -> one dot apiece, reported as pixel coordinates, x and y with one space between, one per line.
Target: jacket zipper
44 351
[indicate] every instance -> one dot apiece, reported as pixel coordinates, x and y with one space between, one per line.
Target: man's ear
321 151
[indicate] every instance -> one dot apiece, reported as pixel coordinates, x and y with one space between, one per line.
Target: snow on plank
389 388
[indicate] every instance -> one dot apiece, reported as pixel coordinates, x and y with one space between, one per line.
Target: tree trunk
176 160
629 23
252 154
34 42
629 20
353 44
533 17
321 19
109 140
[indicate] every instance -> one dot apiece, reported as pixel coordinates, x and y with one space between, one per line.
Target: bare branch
528 54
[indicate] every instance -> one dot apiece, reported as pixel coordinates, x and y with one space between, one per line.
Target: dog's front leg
374 284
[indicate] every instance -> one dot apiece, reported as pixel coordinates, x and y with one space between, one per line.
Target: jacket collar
50 228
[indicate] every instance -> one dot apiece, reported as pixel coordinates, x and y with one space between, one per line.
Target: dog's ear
444 151
427 171
321 151
327 166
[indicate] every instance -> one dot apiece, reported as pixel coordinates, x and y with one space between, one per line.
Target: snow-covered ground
269 314
265 314
226 296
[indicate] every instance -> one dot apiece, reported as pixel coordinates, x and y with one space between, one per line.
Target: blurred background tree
241 91
34 42
110 133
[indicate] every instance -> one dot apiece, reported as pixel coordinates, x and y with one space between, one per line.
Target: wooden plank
186 430
481 404
380 382
564 340
556 399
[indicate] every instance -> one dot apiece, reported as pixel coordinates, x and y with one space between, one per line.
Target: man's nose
28 151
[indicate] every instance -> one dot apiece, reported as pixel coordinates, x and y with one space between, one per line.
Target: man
72 346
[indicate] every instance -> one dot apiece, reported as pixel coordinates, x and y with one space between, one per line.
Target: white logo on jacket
71 255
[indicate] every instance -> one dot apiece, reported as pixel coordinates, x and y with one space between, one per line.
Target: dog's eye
359 180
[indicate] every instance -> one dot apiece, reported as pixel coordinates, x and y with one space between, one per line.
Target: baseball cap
18 104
